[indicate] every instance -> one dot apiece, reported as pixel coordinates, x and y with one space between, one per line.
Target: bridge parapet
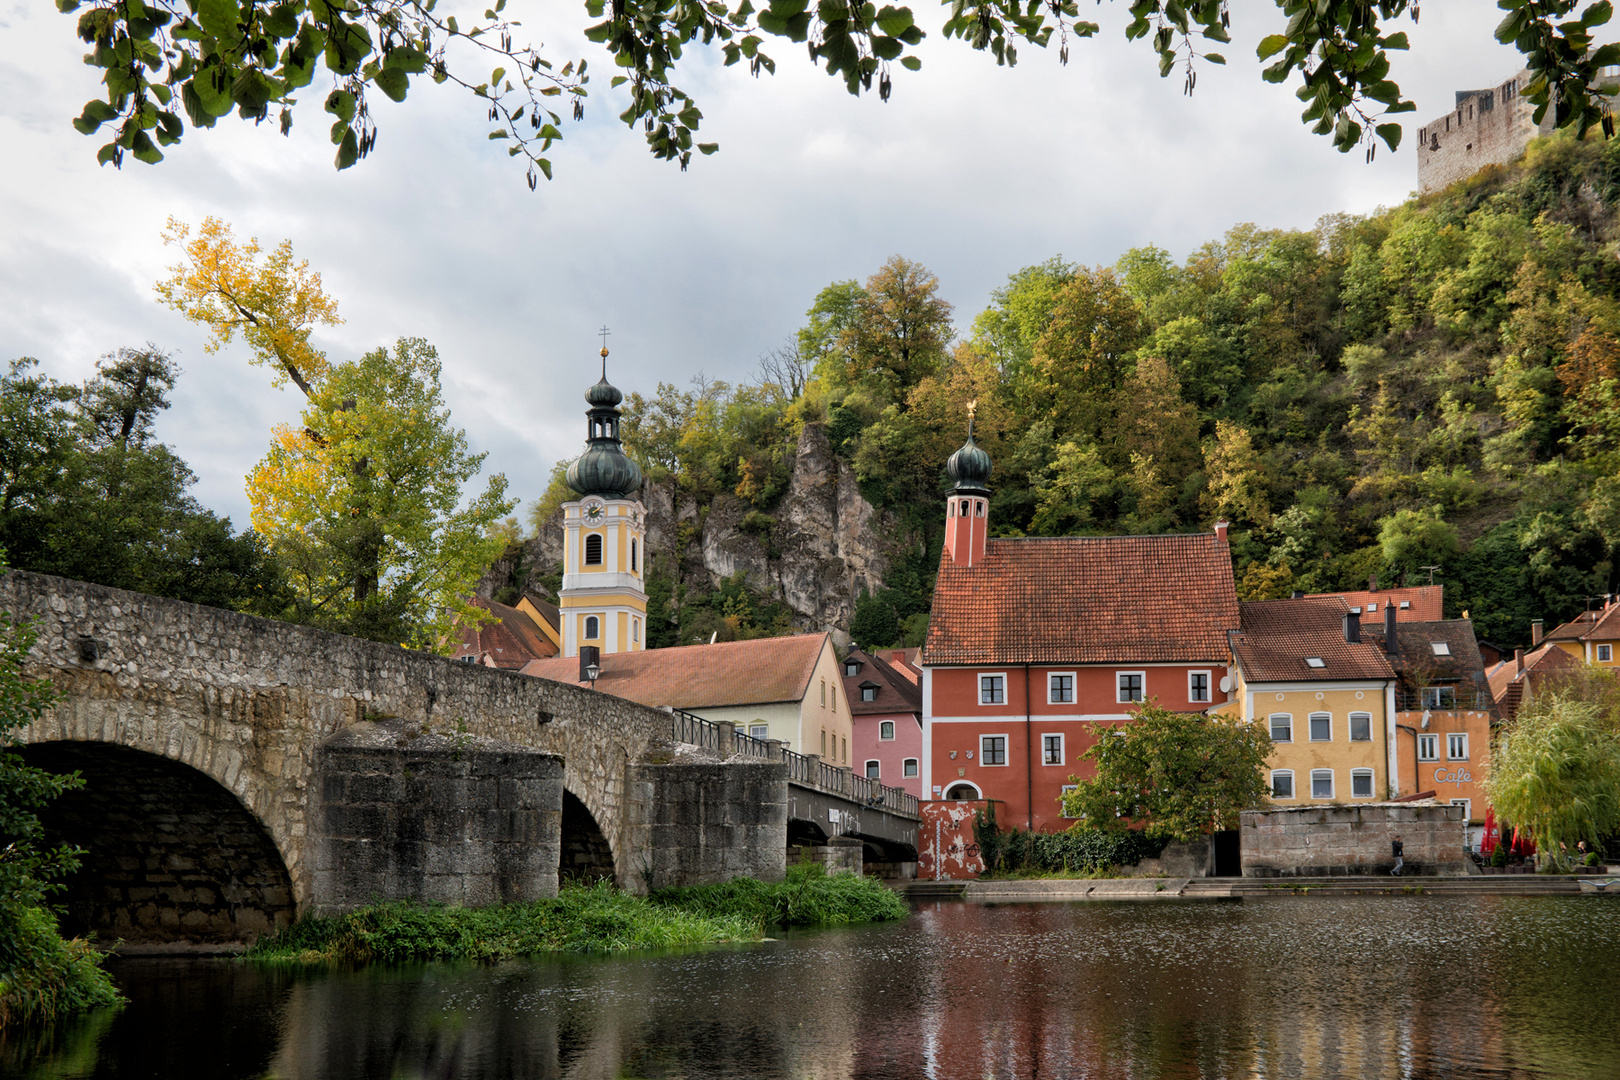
805 770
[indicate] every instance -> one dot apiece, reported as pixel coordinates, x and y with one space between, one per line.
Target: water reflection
1291 987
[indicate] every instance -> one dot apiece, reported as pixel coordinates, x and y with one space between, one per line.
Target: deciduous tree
363 503
1180 776
168 63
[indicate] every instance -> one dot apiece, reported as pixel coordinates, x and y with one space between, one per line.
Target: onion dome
969 468
603 469
603 395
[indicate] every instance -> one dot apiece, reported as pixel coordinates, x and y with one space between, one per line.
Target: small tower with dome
967 508
603 600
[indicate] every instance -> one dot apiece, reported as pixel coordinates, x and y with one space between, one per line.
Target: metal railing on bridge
708 735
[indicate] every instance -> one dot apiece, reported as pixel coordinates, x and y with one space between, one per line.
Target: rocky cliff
814 551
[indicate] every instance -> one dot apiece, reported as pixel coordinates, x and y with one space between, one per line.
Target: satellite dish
1226 684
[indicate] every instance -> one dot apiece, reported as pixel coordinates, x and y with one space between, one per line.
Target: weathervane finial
972 407
604 332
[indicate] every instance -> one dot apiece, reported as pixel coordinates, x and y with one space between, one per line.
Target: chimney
1297 594
1352 626
589 656
1535 631
1518 663
1392 644
1372 583
1220 532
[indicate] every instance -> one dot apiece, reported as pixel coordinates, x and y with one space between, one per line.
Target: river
1295 986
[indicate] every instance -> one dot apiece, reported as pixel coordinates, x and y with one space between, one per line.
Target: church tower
603 602
967 508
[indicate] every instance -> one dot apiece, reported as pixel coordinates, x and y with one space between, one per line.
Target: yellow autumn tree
231 287
363 504
1237 482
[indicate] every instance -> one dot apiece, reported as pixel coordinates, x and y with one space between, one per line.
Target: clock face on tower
593 513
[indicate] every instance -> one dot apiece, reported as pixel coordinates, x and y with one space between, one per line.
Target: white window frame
1317 774
1209 687
1066 789
1310 726
1002 675
910 768
889 725
1293 792
1006 746
1372 780
588 635
1433 742
978 792
1434 698
1361 716
1468 808
1074 687
1452 738
1119 691
1605 654
601 550
1271 726
874 769
759 731
635 629
1062 747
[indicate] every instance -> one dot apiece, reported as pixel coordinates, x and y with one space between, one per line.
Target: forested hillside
1433 386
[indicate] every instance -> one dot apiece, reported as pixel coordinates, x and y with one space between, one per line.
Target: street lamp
591 672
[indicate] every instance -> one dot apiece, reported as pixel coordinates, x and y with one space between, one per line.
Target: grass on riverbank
47 975
594 918
808 896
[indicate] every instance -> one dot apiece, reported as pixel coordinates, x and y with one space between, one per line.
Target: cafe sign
1461 776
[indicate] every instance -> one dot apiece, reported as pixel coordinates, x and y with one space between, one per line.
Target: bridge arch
585 853
170 854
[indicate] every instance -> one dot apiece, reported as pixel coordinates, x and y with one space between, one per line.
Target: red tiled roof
1427 602
1508 685
1603 624
509 643
1085 599
904 662
1278 635
896 693
694 676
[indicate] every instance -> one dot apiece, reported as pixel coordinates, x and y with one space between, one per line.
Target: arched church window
593 628
633 553
978 508
593 549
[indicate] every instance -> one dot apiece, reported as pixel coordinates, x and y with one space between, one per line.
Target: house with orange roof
1325 695
1592 637
1514 682
885 705
784 688
1412 603
1035 645
516 636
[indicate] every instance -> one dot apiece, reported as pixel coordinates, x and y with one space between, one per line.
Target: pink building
885 706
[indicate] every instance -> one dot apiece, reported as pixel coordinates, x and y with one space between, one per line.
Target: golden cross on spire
604 332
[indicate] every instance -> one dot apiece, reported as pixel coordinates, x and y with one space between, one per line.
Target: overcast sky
972 170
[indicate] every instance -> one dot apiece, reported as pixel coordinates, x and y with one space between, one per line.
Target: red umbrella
1487 844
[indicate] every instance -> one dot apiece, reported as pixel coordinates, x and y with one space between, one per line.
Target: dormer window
1315 662
852 668
869 691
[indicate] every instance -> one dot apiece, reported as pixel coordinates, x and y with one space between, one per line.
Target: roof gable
1422 603
1085 599
895 692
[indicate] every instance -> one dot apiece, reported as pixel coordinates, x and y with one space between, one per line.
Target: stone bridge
241 771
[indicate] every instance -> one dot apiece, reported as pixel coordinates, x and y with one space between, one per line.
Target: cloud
973 170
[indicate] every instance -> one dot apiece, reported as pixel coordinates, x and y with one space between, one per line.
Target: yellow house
1300 668
1593 637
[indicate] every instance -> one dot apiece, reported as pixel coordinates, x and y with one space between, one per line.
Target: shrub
52 975
1075 850
807 896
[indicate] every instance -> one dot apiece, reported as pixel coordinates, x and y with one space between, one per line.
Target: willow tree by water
1556 770
362 503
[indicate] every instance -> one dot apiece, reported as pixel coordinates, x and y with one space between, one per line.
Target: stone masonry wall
1487 127
1352 840
248 702
711 822
444 818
